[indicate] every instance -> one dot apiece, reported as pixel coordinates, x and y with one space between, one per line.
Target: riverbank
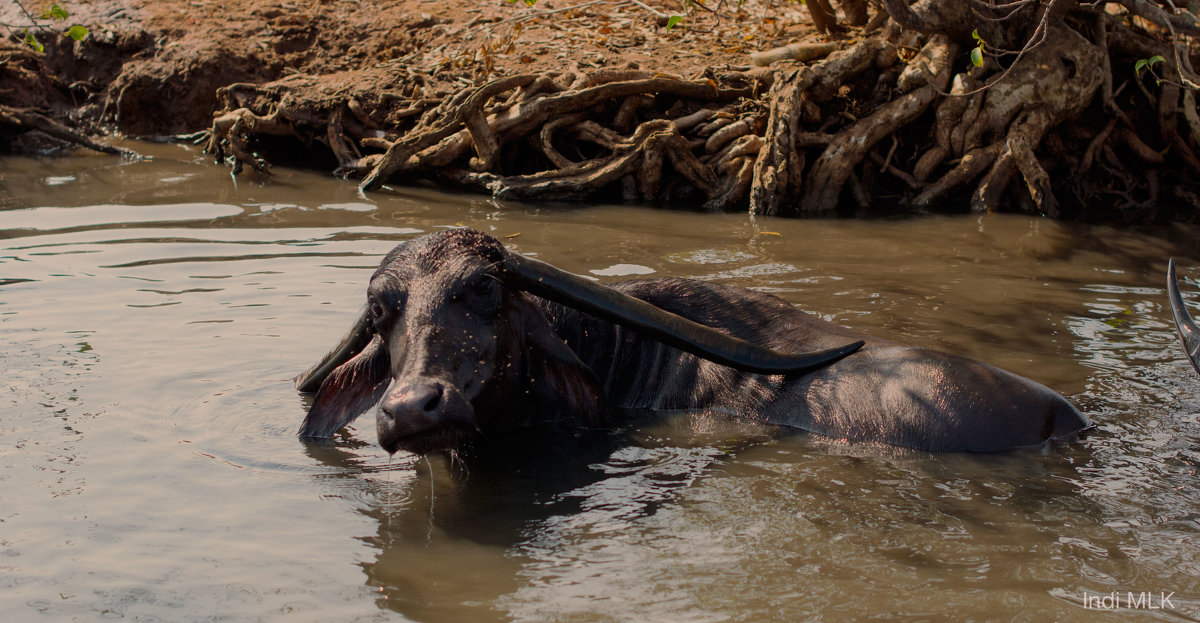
600 100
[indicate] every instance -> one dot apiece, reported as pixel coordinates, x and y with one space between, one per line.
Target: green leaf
977 56
975 35
56 12
530 2
674 19
1147 63
32 42
77 32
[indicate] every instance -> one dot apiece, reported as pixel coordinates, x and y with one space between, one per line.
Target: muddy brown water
152 313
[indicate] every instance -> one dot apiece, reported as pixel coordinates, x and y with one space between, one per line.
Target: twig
656 12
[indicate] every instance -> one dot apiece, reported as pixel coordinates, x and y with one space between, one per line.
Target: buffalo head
453 342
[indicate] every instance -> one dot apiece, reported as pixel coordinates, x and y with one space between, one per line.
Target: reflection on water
153 313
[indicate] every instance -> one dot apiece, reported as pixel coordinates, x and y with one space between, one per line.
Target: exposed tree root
19 120
778 171
836 163
231 132
641 156
1043 129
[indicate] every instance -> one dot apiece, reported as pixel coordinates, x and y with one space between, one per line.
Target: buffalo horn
1189 333
557 285
357 339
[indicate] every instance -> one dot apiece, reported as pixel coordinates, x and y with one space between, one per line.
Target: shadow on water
451 526
486 533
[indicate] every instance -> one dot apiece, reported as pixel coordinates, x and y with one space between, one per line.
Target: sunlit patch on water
153 314
622 270
49 218
353 206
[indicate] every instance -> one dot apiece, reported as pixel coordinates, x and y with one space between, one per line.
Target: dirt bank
600 100
154 68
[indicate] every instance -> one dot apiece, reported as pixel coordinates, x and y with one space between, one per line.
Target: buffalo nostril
432 398
422 399
388 409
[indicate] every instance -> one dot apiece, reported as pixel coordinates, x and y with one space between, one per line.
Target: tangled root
488 137
899 118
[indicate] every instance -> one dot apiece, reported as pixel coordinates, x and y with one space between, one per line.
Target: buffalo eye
385 306
483 296
375 308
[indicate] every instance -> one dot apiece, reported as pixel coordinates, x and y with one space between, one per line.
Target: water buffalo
461 337
1189 333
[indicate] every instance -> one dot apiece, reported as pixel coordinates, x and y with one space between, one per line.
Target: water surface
152 314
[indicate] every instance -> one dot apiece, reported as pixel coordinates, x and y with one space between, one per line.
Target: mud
153 68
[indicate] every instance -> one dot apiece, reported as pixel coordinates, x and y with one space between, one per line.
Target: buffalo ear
355 341
561 384
348 391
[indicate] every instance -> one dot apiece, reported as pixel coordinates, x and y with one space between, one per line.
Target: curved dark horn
557 285
1189 333
357 339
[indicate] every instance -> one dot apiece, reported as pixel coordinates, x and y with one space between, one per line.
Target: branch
32 120
1175 22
